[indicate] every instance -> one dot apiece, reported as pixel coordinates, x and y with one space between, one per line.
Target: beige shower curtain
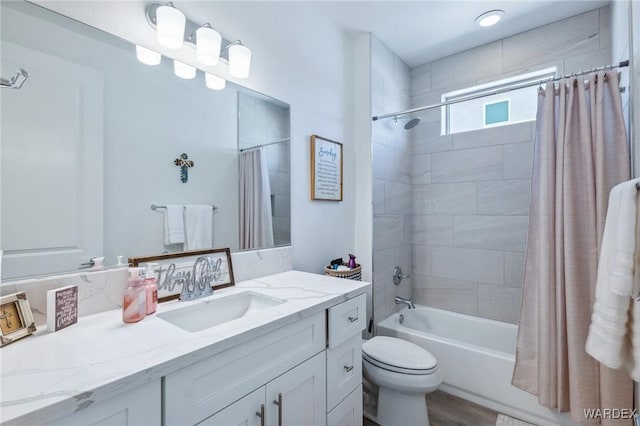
581 152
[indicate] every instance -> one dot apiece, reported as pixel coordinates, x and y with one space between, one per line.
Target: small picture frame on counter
16 318
62 307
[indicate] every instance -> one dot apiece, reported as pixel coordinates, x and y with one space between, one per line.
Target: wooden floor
448 410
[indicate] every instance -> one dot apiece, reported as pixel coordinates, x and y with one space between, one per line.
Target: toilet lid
398 353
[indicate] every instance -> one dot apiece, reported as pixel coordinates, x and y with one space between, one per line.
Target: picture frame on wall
326 169
16 318
176 269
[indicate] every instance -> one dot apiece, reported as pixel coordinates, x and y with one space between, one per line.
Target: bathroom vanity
292 358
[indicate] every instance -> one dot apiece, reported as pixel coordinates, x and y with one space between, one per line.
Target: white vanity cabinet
296 398
140 406
344 362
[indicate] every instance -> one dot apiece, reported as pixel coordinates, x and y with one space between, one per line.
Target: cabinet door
298 397
140 406
248 411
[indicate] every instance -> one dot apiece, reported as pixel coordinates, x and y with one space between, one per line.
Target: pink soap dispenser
134 304
151 288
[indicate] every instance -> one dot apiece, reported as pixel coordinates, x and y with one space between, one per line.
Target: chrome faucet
199 284
408 302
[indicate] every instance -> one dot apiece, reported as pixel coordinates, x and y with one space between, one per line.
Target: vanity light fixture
170 23
147 56
490 18
183 70
214 82
239 59
208 43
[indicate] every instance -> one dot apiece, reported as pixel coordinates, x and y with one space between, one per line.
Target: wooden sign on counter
62 307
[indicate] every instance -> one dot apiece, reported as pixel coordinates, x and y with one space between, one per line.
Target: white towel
198 227
612 329
623 244
173 225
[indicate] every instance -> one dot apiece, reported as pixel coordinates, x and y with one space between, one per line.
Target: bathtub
476 358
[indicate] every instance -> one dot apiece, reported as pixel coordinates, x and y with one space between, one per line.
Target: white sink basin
214 312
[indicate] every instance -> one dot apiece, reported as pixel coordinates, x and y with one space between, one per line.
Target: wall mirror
88 145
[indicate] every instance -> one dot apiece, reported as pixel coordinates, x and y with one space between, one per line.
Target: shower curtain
581 152
256 225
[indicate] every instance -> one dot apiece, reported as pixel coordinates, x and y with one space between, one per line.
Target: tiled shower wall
470 191
391 180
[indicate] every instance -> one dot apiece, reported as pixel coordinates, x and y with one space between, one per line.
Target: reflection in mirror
89 143
265 207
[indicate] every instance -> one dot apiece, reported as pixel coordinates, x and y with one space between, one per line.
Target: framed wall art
326 169
16 318
175 270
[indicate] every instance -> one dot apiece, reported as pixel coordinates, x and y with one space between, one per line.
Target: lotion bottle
134 304
151 288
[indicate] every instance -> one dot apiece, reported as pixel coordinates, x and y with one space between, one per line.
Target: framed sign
175 270
326 169
16 318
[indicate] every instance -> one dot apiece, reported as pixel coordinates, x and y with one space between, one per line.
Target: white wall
298 56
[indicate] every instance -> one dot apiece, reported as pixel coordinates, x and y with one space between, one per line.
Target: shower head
412 123
409 124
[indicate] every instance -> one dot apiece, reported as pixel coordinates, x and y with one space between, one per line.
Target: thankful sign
62 307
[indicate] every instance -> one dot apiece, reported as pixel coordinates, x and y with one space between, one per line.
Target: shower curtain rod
265 144
498 91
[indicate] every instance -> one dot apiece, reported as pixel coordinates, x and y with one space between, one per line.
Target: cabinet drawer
204 388
347 319
348 412
344 370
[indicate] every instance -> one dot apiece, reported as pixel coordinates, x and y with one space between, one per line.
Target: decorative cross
6 315
184 163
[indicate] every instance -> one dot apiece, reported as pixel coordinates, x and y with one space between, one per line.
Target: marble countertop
50 375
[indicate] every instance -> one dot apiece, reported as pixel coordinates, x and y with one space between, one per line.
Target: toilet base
401 409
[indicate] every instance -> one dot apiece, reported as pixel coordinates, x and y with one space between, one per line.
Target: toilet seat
399 356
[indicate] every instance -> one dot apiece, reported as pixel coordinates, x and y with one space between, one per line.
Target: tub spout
408 302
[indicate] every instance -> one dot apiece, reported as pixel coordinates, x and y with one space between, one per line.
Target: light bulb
147 56
214 82
170 24
208 43
183 70
239 60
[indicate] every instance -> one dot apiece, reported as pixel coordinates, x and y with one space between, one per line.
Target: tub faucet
408 302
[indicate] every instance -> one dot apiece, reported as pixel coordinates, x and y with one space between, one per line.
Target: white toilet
404 372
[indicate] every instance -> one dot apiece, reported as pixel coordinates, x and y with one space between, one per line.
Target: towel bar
154 207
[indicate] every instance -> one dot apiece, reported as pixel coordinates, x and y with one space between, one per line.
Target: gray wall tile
425 138
397 198
457 300
446 198
467 165
421 258
387 231
432 229
513 269
391 164
499 135
431 281
499 303
517 160
425 99
378 196
491 232
504 197
467 264
576 34
420 83
468 66
588 60
421 169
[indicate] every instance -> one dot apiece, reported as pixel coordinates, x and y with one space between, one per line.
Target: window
499 109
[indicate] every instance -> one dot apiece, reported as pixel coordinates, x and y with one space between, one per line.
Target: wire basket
351 274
